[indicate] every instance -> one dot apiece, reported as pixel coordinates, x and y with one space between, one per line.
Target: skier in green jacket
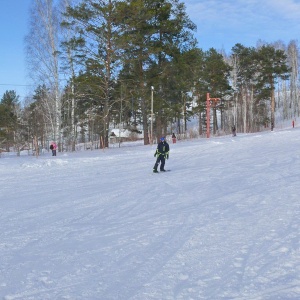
161 154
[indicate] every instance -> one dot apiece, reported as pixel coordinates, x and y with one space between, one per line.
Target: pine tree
271 65
216 79
9 123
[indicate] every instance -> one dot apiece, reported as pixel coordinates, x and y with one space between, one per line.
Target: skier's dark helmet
162 139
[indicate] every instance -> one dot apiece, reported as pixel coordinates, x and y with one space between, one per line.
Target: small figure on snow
173 138
53 148
293 123
233 130
162 153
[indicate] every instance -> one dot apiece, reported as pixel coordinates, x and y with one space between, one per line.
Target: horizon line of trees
95 64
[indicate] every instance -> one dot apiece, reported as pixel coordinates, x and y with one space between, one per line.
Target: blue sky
223 23
220 24
13 27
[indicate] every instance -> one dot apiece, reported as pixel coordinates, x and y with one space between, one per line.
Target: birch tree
42 45
293 56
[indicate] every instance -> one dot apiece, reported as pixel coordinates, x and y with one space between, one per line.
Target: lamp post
151 131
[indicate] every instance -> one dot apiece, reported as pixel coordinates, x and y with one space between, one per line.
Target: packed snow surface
223 224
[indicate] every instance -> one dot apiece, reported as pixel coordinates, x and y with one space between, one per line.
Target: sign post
209 102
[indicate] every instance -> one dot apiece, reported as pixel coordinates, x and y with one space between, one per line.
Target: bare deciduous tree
42 45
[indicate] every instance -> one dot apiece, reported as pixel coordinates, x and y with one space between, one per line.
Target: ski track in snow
224 224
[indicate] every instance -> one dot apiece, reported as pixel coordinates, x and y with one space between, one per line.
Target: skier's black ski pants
160 159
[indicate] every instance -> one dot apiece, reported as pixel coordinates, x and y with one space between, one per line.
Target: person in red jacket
173 138
53 148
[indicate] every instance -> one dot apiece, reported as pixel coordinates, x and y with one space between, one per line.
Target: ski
161 171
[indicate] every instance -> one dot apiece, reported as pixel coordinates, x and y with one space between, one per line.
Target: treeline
135 64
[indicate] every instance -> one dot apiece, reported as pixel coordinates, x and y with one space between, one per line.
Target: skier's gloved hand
155 154
167 156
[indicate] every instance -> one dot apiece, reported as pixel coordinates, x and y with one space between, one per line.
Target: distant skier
53 148
173 138
162 153
233 131
293 123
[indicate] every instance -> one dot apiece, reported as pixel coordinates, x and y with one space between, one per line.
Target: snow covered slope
223 224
